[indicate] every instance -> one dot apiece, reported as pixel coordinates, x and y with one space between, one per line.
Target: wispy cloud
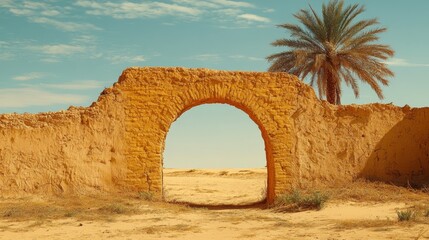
85 39
216 57
6 56
76 85
45 13
26 97
4 44
230 13
225 4
82 46
29 76
242 57
212 10
404 63
4 51
58 49
197 3
130 10
128 59
50 13
253 18
65 26
50 60
233 3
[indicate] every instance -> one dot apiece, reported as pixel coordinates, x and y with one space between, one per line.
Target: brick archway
155 97
268 151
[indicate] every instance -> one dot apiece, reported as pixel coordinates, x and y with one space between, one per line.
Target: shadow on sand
258 205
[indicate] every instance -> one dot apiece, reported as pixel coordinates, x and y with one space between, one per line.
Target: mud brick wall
117 143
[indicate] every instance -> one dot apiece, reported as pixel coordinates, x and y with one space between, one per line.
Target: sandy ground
213 187
360 211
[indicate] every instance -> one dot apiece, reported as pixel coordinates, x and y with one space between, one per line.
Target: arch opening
184 167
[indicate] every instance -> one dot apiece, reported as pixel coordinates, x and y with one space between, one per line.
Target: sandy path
152 220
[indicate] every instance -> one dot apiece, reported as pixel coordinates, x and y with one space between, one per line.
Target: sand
214 187
363 211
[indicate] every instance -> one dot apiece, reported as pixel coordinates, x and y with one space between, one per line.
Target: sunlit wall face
214 136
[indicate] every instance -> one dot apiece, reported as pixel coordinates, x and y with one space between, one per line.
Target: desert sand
360 210
214 187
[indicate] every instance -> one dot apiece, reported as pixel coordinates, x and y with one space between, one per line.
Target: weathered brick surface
156 97
118 142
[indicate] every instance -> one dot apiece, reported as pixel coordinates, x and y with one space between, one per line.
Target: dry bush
83 208
264 191
406 215
367 223
117 208
176 228
297 201
147 196
365 191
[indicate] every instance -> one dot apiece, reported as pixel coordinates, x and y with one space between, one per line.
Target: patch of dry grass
406 215
367 223
82 208
298 201
418 213
176 228
29 210
118 208
107 208
365 191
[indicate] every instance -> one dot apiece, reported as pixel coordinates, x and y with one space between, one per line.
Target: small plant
296 201
12 212
406 215
147 196
116 208
70 214
264 191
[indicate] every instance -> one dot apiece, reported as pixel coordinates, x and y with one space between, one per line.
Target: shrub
148 196
406 215
296 201
116 208
264 191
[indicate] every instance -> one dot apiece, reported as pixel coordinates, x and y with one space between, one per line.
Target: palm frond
333 48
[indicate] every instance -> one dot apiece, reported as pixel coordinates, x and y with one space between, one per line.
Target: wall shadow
402 155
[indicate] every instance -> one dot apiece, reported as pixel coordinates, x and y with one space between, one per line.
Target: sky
54 53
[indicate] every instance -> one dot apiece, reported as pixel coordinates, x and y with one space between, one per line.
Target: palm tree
333 48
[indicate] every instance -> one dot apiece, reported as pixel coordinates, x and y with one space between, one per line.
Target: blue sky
54 54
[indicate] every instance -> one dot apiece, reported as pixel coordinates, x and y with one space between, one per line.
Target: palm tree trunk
331 91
